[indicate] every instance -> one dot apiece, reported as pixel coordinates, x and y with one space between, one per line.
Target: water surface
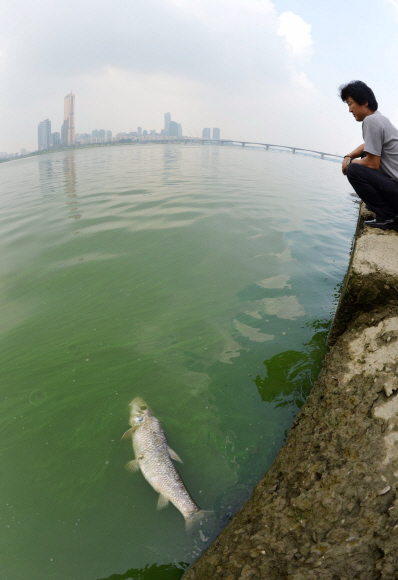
202 279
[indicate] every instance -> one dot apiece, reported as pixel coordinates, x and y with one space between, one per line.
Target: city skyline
67 137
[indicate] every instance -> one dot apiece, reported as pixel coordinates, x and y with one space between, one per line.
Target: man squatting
372 168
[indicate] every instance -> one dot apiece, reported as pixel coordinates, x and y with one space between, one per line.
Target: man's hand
354 154
344 165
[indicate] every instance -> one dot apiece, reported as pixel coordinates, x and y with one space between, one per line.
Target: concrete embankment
328 506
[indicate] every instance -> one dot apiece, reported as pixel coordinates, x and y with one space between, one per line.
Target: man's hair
360 93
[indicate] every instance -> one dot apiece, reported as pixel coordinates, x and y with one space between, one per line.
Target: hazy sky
260 70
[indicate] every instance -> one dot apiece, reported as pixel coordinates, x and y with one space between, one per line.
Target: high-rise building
68 127
109 135
179 130
145 132
44 135
94 133
64 133
101 133
173 129
55 139
206 133
167 121
139 131
216 133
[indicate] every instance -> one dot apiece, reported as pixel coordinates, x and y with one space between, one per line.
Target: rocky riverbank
328 507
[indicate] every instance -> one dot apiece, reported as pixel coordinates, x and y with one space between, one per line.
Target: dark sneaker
390 224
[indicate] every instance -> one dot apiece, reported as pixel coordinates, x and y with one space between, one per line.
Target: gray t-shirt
381 139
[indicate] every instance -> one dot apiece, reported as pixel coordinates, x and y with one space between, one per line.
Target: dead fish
154 457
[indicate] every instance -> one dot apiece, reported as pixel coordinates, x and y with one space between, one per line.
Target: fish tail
196 519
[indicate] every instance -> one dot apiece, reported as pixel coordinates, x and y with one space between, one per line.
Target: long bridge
267 146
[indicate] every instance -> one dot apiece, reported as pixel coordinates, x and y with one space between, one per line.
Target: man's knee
355 170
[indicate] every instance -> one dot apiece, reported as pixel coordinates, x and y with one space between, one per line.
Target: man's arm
371 161
356 153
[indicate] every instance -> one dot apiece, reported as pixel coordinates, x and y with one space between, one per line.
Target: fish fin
196 519
133 466
162 502
174 455
127 434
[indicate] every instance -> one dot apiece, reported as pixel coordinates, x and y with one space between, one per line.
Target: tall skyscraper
68 127
179 131
206 133
167 121
109 135
44 135
216 133
55 139
139 131
101 133
94 133
173 129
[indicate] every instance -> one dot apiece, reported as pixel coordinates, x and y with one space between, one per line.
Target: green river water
200 278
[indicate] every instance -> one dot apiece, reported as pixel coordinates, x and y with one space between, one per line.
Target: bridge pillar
243 144
267 147
322 156
293 151
203 142
222 142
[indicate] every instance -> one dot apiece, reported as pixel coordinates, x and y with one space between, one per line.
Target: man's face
359 111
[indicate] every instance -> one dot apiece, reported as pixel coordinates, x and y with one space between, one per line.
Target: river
201 278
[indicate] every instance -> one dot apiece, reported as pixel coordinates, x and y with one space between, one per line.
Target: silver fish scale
151 451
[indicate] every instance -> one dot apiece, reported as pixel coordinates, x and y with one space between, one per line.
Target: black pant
376 189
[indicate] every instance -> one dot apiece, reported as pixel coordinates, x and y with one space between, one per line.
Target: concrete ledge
328 507
372 277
